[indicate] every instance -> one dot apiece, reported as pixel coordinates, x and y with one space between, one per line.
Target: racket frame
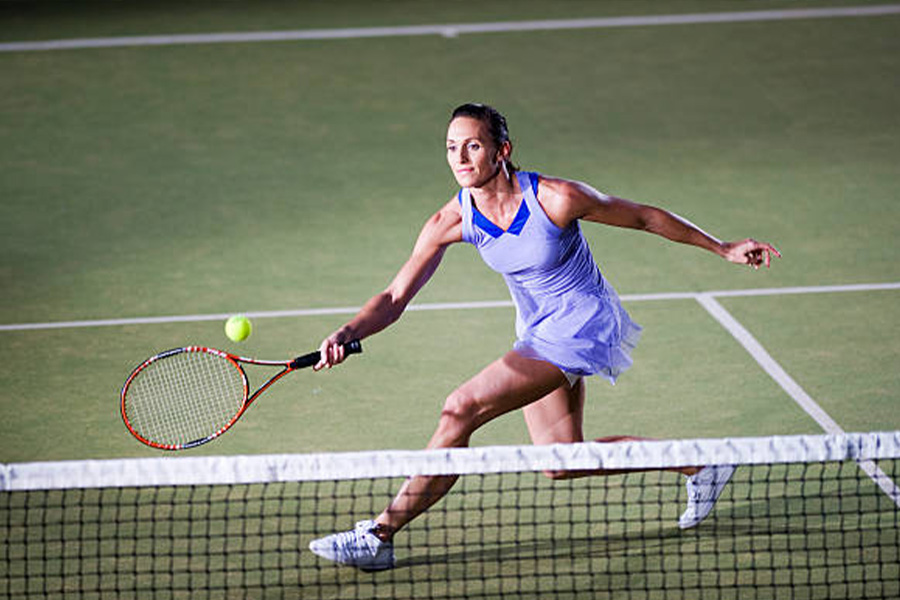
300 362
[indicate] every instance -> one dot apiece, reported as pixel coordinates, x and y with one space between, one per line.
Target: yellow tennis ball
238 328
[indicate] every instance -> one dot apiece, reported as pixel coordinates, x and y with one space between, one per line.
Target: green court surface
178 181
161 181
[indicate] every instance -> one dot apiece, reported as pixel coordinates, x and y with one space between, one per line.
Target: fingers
764 255
755 258
756 254
323 362
331 353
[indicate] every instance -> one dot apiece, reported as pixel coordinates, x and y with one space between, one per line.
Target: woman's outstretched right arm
383 309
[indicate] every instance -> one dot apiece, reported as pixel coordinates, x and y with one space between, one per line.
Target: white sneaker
358 547
703 489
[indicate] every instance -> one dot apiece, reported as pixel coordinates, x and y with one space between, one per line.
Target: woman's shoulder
445 225
558 188
561 198
452 210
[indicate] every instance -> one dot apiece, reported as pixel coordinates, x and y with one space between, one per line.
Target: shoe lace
351 542
698 490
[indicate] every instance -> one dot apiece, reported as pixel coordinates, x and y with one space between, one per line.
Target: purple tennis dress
566 312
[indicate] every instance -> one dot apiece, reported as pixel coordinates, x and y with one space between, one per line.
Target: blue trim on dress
518 223
485 224
489 227
534 178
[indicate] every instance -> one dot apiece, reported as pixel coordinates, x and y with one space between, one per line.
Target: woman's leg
553 411
558 417
507 384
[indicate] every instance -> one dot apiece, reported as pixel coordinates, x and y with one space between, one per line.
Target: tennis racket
185 397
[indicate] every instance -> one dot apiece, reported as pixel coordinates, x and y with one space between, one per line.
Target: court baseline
452 30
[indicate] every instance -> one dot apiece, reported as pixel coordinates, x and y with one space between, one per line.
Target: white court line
344 310
453 30
818 289
769 365
793 389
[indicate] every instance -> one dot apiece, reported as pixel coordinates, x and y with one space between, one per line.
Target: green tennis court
204 179
149 189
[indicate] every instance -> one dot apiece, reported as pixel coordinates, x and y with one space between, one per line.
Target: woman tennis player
569 321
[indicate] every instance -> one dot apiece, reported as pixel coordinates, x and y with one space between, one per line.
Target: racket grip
308 360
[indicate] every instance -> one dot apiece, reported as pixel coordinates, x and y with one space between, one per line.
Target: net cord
248 469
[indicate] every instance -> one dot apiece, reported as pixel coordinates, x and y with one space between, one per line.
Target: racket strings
184 397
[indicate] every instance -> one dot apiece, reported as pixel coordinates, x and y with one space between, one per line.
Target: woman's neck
498 190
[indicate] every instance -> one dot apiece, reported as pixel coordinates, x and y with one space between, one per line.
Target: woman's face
471 153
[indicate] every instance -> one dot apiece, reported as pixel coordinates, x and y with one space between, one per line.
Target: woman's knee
459 417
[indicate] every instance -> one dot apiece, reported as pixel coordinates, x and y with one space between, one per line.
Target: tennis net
803 517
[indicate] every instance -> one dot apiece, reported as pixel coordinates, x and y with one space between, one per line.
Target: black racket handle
308 360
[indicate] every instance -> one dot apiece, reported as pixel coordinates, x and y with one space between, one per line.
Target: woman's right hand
332 350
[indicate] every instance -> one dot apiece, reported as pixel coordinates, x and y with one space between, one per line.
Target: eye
474 146
451 148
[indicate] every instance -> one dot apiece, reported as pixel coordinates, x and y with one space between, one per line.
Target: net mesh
803 517
184 396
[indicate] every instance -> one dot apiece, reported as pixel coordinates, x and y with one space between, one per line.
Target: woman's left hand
750 252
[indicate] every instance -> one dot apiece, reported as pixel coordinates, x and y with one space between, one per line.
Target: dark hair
490 116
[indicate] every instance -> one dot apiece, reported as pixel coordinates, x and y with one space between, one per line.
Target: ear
504 152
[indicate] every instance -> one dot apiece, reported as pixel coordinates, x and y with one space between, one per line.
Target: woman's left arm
573 200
